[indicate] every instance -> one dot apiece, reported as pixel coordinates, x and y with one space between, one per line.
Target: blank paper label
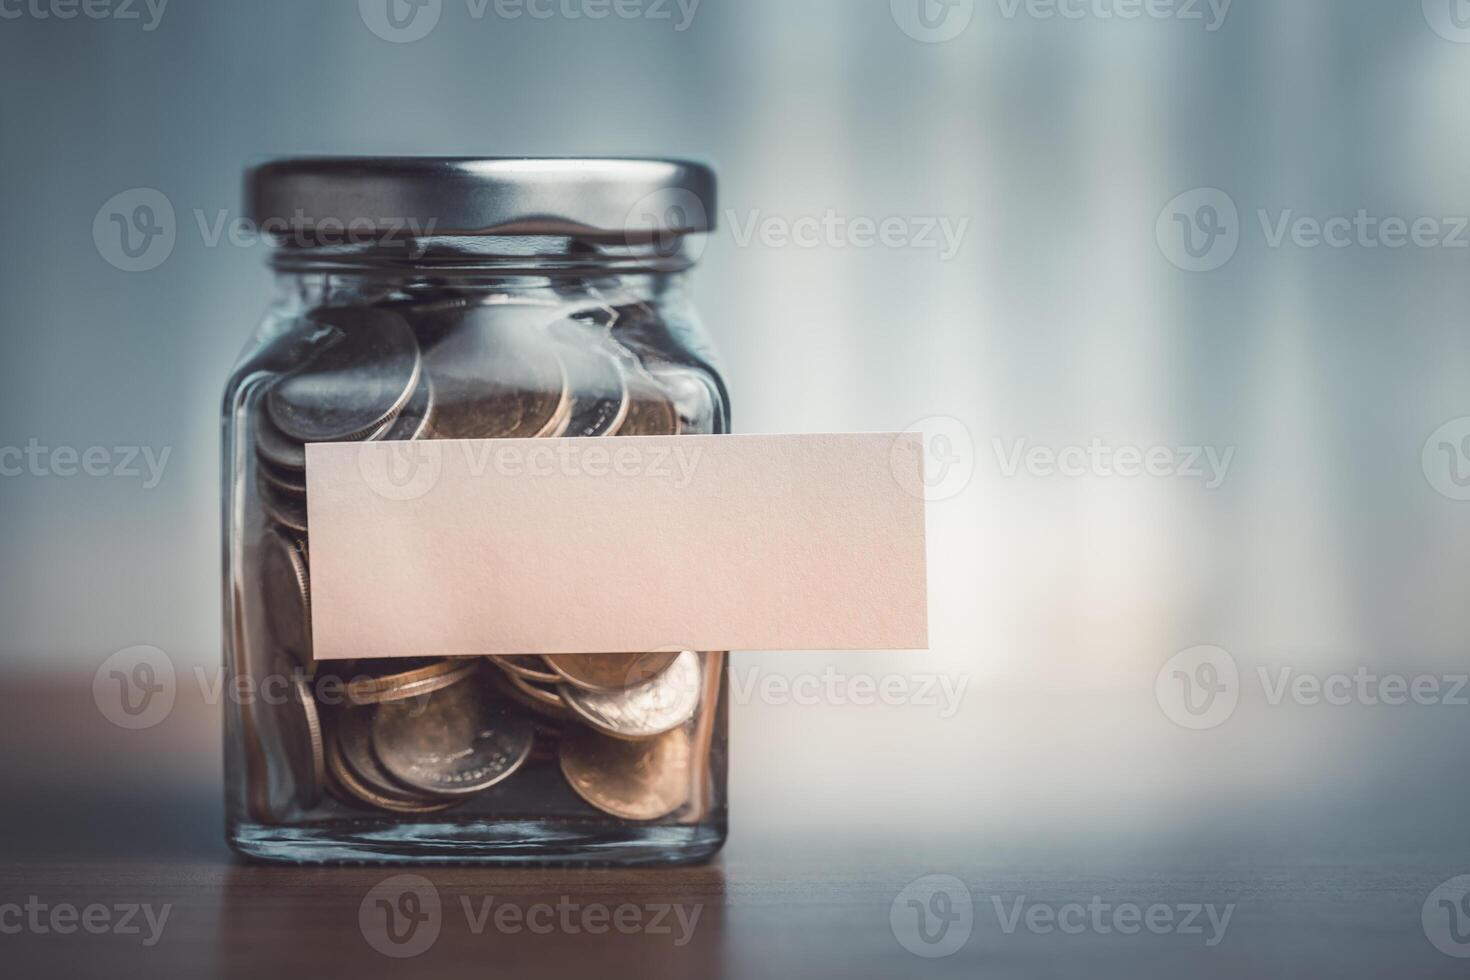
617 545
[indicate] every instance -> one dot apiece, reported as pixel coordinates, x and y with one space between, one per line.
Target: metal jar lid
615 199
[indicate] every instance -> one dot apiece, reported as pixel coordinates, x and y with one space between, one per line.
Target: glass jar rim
305 200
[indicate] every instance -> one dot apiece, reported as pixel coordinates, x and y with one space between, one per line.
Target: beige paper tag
612 545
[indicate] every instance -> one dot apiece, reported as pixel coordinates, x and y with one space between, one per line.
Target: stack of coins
420 737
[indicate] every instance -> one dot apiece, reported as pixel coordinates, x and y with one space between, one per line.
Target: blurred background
1103 237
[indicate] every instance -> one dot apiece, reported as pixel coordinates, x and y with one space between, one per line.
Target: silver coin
364 370
286 592
454 742
290 482
287 510
301 732
413 420
274 446
643 711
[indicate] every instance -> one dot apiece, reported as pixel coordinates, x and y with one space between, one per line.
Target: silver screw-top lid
615 199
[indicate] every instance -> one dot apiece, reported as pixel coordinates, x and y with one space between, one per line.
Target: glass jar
423 299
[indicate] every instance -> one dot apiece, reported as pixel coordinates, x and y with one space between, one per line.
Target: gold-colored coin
403 684
542 700
650 413
609 671
457 742
353 790
528 667
631 780
496 379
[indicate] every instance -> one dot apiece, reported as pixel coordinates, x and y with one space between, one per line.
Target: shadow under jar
420 299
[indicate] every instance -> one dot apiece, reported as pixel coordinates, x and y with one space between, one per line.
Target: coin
301 733
609 671
529 668
284 508
290 482
354 736
650 413
599 395
632 780
413 420
542 700
648 709
273 445
494 378
407 680
357 791
454 742
363 372
286 593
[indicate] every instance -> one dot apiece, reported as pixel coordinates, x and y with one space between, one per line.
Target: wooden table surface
92 819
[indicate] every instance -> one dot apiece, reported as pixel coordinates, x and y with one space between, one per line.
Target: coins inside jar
609 671
363 370
643 710
495 378
641 780
419 737
453 742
